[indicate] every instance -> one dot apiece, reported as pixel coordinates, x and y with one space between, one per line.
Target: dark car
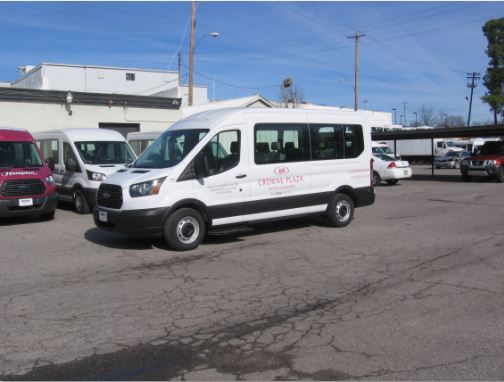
487 162
452 159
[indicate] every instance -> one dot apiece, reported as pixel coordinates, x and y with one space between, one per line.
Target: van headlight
49 179
96 176
151 187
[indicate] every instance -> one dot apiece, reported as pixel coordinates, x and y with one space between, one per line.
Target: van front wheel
184 230
80 202
341 210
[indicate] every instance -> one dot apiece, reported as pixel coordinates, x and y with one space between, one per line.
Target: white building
107 79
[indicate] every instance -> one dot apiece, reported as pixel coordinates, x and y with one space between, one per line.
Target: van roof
87 134
212 118
13 134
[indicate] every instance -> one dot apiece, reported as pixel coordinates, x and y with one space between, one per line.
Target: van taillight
371 172
392 165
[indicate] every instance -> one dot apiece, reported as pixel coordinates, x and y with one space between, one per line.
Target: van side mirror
201 166
70 164
50 163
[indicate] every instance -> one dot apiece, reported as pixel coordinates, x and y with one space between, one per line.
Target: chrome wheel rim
188 230
343 210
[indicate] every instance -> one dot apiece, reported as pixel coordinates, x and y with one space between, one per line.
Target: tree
494 76
291 95
450 120
426 116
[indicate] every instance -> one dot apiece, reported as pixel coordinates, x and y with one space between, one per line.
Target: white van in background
81 159
139 140
383 148
237 166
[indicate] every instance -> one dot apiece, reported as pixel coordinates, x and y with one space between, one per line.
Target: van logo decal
282 170
13 173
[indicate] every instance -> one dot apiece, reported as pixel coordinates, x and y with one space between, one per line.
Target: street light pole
191 53
395 115
416 118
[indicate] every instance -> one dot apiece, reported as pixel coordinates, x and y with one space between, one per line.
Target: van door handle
241 176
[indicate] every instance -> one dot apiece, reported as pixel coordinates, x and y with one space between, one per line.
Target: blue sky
418 52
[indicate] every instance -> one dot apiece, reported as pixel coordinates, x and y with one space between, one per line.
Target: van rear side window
50 149
278 143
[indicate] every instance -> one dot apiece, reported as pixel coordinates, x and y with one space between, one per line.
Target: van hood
128 176
107 169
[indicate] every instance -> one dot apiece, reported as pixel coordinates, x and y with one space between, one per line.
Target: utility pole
473 77
356 37
191 53
404 106
179 66
365 103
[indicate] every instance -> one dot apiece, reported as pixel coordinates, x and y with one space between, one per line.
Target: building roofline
9 94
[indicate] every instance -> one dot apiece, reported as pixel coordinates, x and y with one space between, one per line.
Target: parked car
237 166
487 162
81 159
451 159
26 183
386 168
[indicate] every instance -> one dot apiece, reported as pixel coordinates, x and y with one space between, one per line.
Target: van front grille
110 196
23 187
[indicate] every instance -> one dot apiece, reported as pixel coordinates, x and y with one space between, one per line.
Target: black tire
376 179
47 216
184 230
500 175
466 178
340 211
392 181
80 203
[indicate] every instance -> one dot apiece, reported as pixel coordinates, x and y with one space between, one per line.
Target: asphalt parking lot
411 289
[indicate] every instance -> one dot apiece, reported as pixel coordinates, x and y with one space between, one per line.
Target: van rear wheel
341 210
80 202
184 230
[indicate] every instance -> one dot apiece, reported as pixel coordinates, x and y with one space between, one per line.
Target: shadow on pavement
118 241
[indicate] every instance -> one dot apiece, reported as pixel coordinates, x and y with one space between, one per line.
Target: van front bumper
139 223
41 205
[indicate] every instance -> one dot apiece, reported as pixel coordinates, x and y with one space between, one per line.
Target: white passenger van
140 140
236 166
81 159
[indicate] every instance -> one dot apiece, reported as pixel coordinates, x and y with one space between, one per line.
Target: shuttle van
26 182
236 166
81 159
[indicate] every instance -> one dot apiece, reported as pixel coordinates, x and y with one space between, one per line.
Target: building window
130 76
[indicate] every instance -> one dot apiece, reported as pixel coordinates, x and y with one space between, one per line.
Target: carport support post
432 155
395 148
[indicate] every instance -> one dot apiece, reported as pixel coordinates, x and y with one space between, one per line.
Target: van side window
69 153
223 152
50 149
278 143
354 141
327 142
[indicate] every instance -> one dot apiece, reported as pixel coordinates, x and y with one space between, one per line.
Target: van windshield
170 148
19 154
105 152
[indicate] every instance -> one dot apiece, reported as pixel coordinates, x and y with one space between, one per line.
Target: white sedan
390 170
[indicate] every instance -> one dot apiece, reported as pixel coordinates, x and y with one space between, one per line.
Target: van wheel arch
347 190
190 203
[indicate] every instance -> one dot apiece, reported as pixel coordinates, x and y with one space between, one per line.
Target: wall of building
36 117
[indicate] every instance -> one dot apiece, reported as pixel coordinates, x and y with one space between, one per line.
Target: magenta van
26 182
